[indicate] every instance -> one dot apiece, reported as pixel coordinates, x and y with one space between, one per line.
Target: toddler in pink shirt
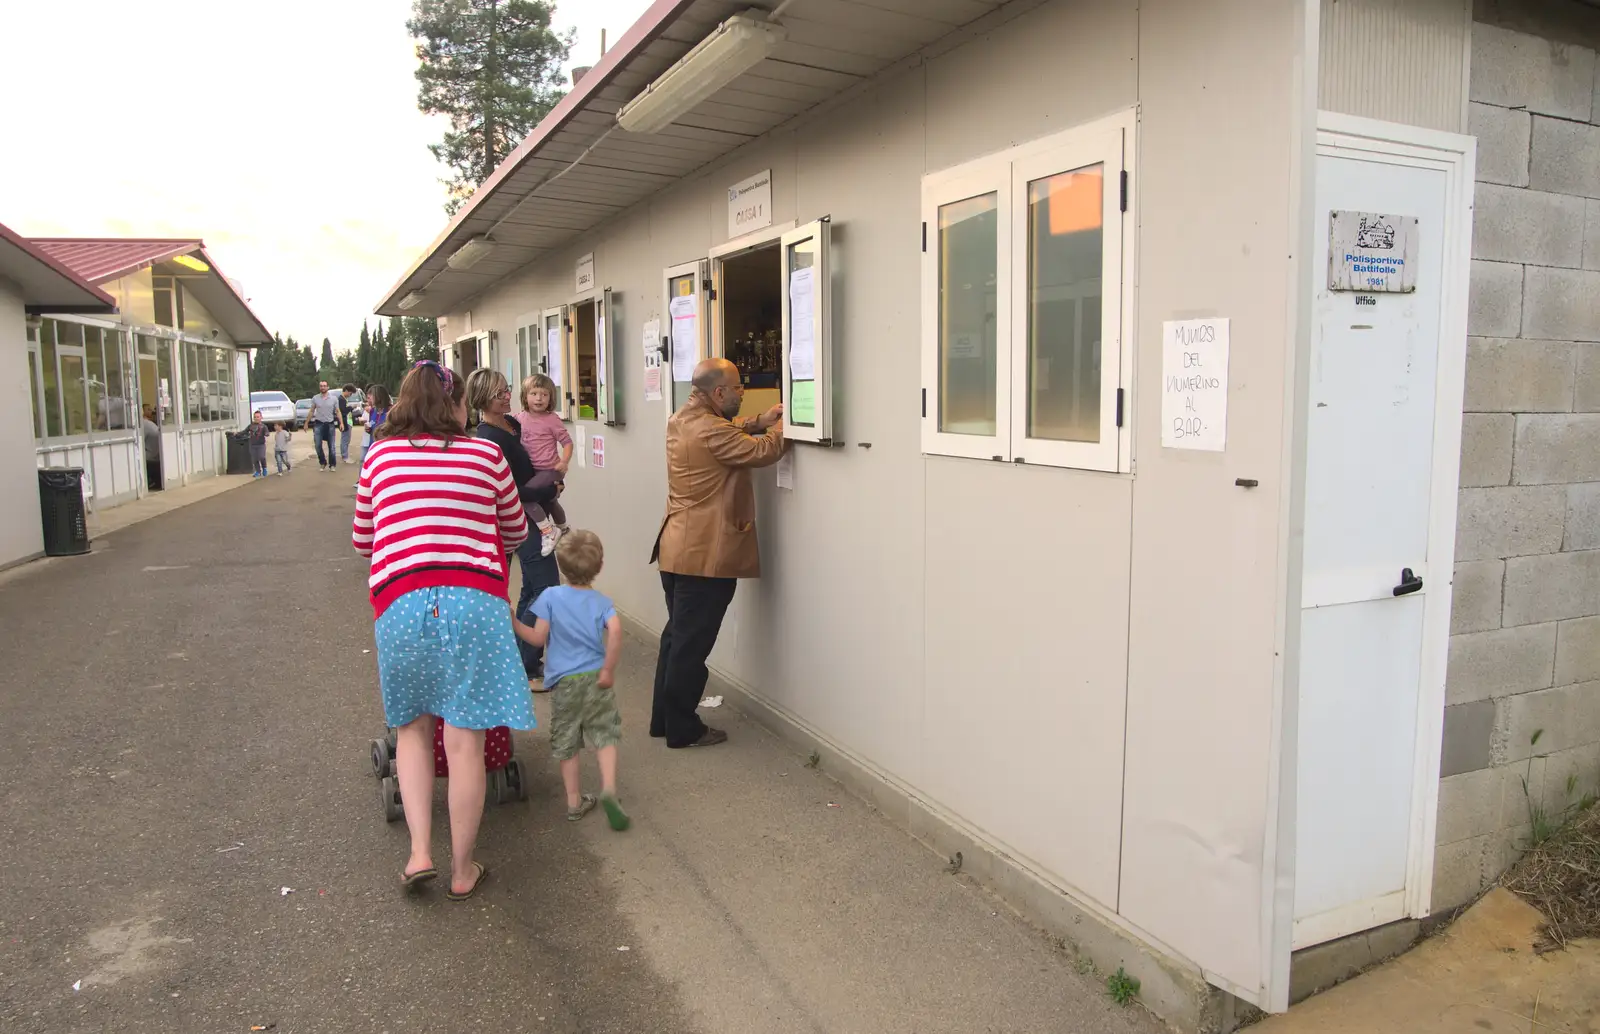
549 446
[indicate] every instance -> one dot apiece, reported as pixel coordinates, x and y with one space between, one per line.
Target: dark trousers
538 574
322 431
695 608
152 475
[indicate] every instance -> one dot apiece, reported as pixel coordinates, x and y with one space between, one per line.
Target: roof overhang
578 169
46 284
102 260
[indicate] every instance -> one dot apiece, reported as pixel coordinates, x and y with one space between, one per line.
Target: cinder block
1564 717
1475 596
1569 776
1458 872
1557 449
1468 738
1503 136
1583 517
1591 234
1578 652
1514 224
1486 449
1552 588
1469 805
1566 158
1494 301
1516 70
1492 523
1524 783
1561 304
1503 850
1500 663
1586 386
1515 376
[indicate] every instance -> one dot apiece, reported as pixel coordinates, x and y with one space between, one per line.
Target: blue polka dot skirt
449 651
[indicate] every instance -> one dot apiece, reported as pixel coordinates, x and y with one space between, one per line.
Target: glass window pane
192 378
118 386
679 287
969 236
69 335
74 405
801 339
47 366
166 383
1065 249
147 345
97 377
33 393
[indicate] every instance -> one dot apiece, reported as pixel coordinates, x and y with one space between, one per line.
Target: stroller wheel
517 779
392 809
390 738
380 758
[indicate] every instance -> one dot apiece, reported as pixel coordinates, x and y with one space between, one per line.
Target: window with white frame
80 379
1022 302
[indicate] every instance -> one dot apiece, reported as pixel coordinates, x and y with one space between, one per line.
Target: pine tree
365 374
327 355
394 366
422 338
494 68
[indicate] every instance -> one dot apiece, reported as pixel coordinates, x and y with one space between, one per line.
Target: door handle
1409 583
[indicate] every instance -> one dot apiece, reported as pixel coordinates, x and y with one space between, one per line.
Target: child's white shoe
547 537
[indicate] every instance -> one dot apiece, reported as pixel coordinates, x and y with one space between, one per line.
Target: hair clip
445 376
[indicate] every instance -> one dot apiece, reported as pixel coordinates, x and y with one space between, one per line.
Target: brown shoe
710 738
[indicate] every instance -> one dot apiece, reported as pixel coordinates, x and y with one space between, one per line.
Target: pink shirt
543 434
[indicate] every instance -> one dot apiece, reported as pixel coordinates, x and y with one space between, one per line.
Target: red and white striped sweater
429 516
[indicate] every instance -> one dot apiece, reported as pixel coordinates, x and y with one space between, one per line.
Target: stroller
507 776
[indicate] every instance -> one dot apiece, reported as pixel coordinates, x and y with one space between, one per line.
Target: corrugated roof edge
28 248
640 35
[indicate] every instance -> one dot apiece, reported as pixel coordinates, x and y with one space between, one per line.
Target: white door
1385 391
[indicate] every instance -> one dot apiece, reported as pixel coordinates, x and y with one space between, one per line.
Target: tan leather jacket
710 526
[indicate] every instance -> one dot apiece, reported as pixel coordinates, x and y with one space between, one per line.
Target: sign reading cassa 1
586 273
750 204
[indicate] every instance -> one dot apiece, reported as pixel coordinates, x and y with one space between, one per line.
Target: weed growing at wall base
1121 987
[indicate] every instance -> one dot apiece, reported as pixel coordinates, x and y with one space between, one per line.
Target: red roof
46 281
98 259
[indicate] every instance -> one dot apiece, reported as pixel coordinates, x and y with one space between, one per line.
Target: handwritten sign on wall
1194 384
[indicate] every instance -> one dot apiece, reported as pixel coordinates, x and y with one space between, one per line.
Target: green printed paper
802 403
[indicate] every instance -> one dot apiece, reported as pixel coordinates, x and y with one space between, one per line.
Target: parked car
274 406
302 413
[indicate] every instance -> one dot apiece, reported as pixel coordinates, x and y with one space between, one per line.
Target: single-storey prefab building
1148 374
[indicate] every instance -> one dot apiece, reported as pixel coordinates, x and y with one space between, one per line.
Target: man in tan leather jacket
707 539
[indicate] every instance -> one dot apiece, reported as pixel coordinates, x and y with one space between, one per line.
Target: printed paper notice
1194 384
685 313
597 451
786 470
802 336
652 361
552 352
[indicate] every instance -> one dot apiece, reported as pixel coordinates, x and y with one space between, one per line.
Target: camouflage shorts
582 715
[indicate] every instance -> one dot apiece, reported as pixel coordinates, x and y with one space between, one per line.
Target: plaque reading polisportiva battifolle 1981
1372 253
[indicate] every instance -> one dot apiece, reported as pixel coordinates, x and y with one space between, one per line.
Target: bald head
718 381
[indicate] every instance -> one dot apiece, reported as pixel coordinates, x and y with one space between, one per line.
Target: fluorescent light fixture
411 301
190 262
737 46
470 253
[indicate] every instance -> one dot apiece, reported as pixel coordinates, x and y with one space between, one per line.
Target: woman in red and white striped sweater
438 513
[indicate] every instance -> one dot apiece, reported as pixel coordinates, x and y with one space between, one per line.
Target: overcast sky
285 135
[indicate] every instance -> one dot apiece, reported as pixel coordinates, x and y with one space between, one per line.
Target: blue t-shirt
577 620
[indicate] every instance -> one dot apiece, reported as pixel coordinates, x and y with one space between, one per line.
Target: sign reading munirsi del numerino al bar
1372 253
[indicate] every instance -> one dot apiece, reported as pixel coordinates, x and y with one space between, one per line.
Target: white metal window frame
607 370
184 379
569 351
530 349
820 429
699 272
91 436
1109 142
553 321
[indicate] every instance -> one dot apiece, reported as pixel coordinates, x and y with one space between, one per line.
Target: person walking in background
345 421
258 445
582 637
323 416
152 449
707 539
378 403
437 513
280 448
490 395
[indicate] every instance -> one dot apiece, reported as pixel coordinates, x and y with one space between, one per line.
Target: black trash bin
66 531
239 452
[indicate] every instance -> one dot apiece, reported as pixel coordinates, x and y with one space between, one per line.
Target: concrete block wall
1525 644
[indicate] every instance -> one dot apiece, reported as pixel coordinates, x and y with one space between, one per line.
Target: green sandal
614 814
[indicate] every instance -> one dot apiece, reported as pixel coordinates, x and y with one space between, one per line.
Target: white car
274 406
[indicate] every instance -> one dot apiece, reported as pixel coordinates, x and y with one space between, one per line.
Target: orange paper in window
1074 198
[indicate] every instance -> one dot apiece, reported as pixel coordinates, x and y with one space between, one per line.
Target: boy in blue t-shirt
582 637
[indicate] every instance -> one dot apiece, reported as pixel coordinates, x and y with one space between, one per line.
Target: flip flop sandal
413 880
483 874
615 816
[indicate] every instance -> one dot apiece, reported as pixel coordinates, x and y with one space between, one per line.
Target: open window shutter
608 360
807 335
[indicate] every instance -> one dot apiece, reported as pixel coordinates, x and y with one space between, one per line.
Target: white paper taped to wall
553 356
685 313
802 338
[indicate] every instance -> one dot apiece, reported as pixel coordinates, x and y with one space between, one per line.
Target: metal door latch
1409 583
